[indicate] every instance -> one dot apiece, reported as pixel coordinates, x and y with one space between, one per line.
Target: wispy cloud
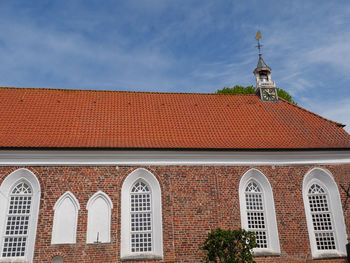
335 52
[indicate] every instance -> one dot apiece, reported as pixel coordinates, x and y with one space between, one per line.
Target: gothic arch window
258 211
141 222
324 215
19 206
65 219
99 218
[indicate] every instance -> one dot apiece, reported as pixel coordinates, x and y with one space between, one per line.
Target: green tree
229 246
237 90
285 95
251 90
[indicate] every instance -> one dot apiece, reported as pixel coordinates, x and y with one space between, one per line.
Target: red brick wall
195 199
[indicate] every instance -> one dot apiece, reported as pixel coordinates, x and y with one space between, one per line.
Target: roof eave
172 149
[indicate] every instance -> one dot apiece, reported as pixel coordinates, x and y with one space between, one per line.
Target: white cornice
112 158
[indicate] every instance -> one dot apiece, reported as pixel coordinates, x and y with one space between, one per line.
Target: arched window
99 218
141 228
258 211
65 219
18 215
324 214
19 200
140 217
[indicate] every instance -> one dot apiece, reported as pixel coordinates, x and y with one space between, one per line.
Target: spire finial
258 36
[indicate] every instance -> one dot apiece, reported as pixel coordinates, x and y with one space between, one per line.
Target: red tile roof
110 119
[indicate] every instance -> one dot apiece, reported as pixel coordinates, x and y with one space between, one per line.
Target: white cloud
336 52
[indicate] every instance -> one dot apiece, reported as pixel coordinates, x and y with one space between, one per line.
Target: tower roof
262 65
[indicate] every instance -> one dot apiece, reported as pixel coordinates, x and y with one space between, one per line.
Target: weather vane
258 36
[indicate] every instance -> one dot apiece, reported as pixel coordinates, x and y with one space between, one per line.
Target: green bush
251 90
237 90
229 246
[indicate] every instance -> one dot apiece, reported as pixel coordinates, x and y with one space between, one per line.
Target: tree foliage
229 246
285 95
251 90
237 90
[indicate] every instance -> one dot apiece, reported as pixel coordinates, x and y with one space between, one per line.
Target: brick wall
195 199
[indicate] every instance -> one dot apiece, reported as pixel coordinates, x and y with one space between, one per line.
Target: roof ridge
120 91
315 114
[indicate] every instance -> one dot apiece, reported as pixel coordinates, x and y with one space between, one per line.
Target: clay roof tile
54 118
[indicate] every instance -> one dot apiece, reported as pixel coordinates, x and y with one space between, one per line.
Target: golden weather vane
258 36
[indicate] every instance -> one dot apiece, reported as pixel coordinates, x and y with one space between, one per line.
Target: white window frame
156 206
273 245
76 204
20 175
325 179
109 203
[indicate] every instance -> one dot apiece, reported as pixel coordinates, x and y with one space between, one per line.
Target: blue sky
180 46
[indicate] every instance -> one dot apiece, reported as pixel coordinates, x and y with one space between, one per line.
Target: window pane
141 242
256 213
321 218
17 221
325 241
22 188
141 218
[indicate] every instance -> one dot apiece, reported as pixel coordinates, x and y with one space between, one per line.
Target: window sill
98 243
60 244
265 252
140 257
328 254
14 260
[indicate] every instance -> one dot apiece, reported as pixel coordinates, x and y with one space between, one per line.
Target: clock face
269 94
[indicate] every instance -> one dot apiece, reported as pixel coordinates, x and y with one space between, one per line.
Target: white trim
12 179
55 231
325 178
109 203
114 157
270 214
69 195
99 194
157 232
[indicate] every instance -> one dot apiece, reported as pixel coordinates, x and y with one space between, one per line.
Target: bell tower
265 87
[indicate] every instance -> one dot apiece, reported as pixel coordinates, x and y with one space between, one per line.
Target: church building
113 176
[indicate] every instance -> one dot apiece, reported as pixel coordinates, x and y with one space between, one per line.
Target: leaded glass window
256 213
141 218
321 218
17 221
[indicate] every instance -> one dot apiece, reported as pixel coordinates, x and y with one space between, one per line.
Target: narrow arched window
324 215
17 222
65 219
258 212
321 218
19 208
99 218
141 217
141 222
